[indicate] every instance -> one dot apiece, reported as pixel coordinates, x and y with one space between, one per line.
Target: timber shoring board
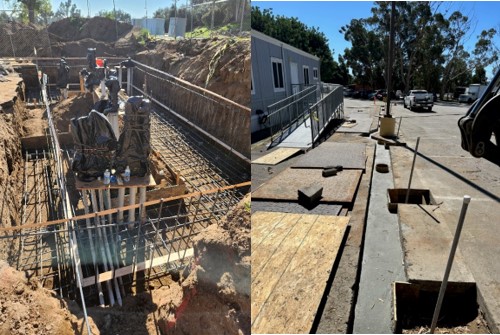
293 207
277 156
349 155
339 189
147 180
292 267
426 245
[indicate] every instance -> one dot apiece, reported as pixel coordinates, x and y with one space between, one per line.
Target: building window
279 85
315 73
306 75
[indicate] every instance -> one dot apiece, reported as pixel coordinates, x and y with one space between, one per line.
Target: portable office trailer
278 71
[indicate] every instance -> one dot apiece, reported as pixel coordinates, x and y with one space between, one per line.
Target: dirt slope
216 293
26 308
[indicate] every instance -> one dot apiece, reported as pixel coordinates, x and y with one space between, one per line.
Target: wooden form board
349 155
277 156
126 270
426 242
292 257
147 180
284 186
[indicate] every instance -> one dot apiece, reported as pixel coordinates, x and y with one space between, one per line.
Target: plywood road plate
426 245
276 156
349 155
294 207
292 257
284 186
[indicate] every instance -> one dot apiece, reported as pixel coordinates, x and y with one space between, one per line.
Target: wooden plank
262 223
349 155
340 188
294 207
292 304
147 180
126 270
426 244
277 156
268 278
267 243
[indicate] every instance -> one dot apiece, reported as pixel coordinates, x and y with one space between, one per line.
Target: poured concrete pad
284 186
426 242
349 155
276 156
291 265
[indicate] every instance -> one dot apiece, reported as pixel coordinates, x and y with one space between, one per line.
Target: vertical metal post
129 81
411 172
121 202
92 248
399 126
131 212
120 75
142 200
454 245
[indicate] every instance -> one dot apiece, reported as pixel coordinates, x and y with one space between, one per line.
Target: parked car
348 92
419 99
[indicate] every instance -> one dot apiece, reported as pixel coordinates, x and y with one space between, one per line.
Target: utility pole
390 60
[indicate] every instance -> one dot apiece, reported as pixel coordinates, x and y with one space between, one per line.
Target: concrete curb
382 257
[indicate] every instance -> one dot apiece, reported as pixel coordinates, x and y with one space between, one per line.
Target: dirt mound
216 294
222 65
74 106
29 309
96 28
18 39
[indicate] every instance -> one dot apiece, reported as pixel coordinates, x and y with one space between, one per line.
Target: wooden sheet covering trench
292 257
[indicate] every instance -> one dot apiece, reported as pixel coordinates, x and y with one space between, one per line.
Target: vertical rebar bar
411 172
454 245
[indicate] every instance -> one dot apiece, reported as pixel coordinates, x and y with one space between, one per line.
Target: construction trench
96 243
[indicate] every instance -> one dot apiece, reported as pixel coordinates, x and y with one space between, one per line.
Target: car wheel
404 103
429 109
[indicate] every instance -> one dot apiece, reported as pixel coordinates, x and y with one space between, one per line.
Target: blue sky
329 16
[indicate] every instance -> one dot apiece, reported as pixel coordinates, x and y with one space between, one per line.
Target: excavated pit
164 291
414 305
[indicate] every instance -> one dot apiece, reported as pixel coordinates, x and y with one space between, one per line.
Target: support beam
108 275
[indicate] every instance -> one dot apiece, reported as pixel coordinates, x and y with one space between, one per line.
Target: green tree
67 9
366 55
119 15
486 52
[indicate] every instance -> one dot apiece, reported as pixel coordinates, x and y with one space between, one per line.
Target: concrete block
309 196
329 172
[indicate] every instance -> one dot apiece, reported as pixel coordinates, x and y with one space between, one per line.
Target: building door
294 77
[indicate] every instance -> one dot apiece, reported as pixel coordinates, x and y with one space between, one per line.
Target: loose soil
27 308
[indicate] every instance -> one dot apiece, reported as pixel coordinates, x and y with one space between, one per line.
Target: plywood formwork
276 156
348 155
339 189
292 258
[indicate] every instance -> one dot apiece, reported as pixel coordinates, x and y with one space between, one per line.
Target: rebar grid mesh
225 120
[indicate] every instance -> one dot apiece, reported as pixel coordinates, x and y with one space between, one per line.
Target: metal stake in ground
411 172
454 245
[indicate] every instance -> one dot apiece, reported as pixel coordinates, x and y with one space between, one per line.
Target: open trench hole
416 197
414 305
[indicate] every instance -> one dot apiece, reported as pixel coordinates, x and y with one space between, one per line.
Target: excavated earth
212 295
